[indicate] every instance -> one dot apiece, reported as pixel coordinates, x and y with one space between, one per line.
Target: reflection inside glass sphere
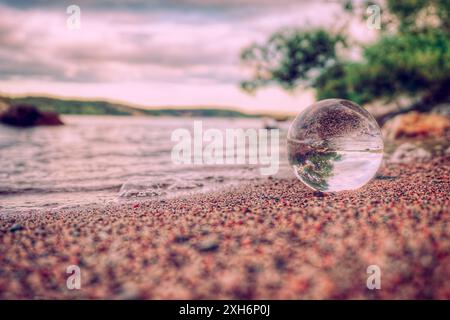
335 145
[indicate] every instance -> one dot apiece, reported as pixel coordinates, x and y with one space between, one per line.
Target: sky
150 53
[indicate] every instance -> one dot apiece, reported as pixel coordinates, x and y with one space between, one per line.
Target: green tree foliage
291 58
316 168
98 107
411 57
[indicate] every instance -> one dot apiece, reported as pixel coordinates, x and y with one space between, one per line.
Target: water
335 145
102 159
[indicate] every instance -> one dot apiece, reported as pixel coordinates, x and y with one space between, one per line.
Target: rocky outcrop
442 109
409 152
3 106
417 125
28 116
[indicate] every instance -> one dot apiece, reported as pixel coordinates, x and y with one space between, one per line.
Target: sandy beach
267 240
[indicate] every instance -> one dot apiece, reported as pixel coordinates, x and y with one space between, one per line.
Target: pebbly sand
269 240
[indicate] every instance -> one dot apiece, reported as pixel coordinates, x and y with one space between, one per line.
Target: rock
409 152
24 115
280 263
417 125
129 291
16 227
382 177
208 245
3 106
442 109
181 238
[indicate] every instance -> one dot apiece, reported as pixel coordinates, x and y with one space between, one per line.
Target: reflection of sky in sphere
354 170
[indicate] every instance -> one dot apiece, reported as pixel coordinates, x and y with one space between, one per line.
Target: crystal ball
335 145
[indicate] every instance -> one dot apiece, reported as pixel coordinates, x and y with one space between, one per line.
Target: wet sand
268 240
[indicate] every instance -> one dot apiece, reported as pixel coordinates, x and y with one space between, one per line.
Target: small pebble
16 227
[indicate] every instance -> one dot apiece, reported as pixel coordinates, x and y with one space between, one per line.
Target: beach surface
274 239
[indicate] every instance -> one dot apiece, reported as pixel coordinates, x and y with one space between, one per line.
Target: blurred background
245 63
195 53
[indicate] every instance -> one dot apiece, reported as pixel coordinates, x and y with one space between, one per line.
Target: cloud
151 4
156 43
116 46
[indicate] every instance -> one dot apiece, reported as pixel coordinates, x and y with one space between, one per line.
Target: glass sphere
335 145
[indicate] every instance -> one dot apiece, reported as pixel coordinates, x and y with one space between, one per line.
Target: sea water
101 159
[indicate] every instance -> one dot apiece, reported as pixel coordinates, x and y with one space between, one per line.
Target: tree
315 167
411 57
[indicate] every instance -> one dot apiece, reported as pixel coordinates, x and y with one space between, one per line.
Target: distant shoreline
73 106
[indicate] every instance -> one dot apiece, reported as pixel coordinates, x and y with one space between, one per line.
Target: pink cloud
157 56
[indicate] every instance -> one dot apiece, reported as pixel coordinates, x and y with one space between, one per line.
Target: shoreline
273 239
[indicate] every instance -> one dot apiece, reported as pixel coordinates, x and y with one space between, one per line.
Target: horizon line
243 110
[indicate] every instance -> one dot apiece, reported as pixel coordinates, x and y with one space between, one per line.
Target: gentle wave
93 159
